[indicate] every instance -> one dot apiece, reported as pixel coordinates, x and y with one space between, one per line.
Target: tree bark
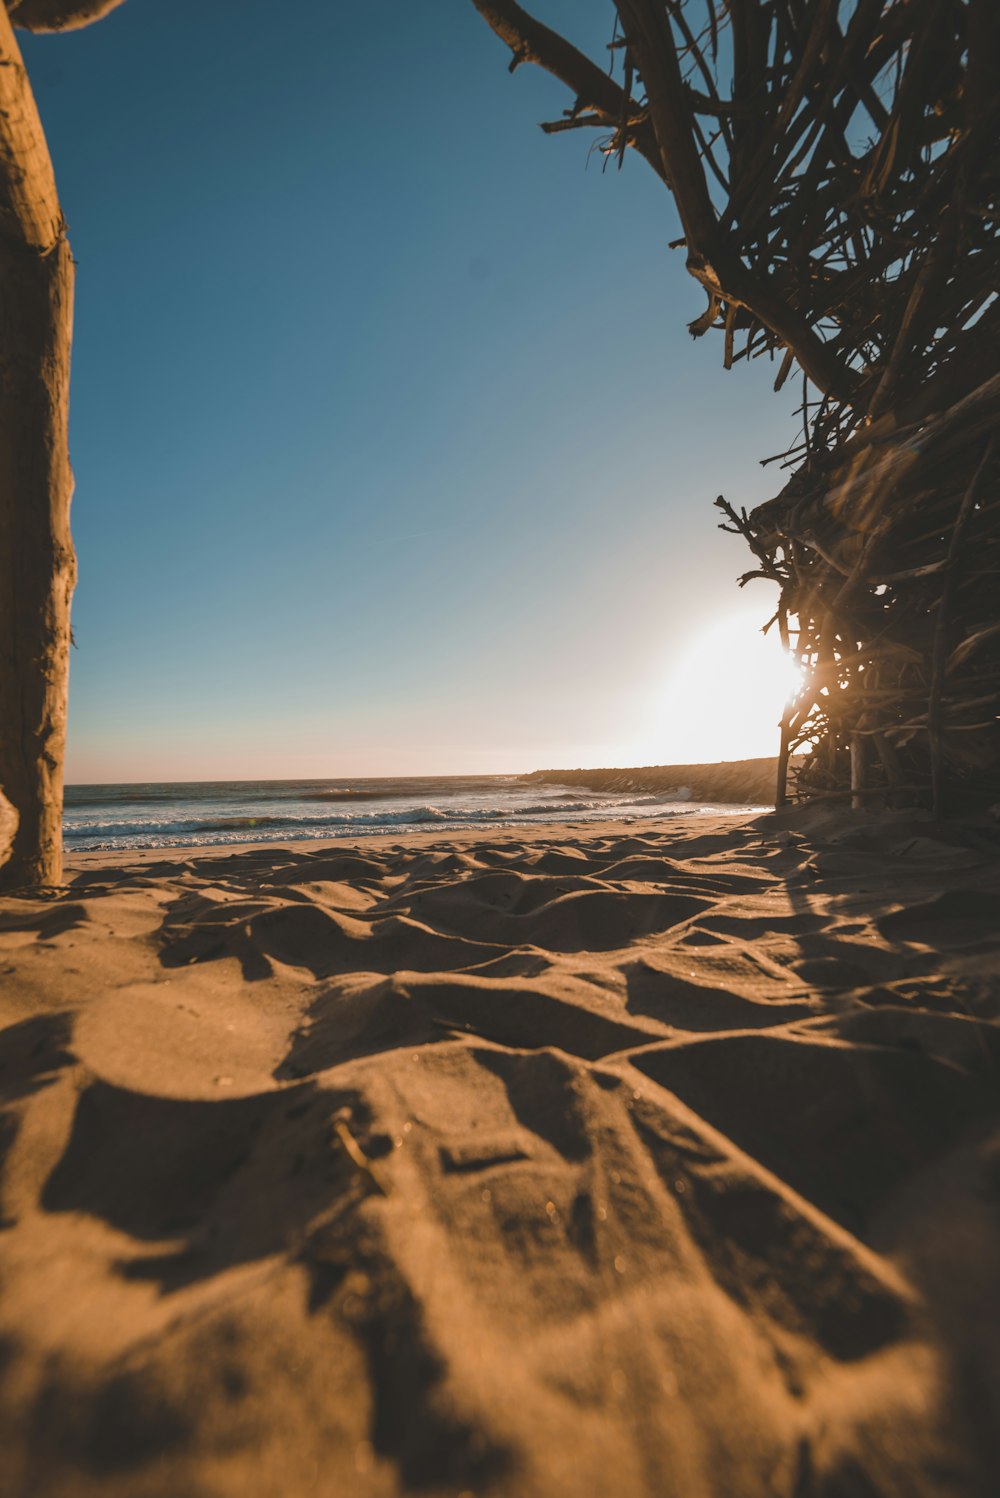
58 15
37 563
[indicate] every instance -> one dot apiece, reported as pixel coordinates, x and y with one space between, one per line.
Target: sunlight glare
725 696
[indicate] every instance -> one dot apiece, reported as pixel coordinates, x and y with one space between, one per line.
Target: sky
392 451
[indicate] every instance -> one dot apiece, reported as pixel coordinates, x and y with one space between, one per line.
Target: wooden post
781 786
37 563
942 629
857 772
893 773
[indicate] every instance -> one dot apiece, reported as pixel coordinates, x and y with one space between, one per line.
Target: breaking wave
99 818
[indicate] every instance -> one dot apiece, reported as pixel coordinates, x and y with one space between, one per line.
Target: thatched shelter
835 167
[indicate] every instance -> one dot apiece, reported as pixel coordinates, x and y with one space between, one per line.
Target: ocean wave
355 795
120 817
307 824
246 823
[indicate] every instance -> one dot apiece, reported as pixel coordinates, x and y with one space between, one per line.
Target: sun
724 696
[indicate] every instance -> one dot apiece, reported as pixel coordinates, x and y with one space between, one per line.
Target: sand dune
604 1162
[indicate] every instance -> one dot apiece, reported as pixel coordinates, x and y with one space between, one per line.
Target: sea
170 815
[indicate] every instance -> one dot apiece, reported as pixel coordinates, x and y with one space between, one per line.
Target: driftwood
37 563
836 172
8 828
58 15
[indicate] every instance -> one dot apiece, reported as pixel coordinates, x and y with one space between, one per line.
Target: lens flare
725 695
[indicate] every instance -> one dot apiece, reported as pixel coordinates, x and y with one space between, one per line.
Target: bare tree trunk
37 563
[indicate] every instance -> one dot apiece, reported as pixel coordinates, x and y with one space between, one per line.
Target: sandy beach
658 1159
381 1117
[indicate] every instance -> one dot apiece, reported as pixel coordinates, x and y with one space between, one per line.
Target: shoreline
419 837
234 814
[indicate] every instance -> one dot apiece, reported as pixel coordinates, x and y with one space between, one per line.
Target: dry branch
835 169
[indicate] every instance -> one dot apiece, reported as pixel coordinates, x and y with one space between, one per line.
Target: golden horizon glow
724 698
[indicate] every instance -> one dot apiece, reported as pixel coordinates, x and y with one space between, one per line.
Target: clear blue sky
392 451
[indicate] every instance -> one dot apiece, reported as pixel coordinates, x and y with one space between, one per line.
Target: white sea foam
162 816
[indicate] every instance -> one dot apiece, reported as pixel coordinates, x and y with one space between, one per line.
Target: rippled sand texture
601 1163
